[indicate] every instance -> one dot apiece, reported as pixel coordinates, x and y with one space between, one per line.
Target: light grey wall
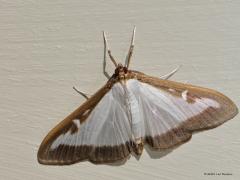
46 47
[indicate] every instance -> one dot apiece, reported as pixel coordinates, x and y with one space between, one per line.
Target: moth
130 111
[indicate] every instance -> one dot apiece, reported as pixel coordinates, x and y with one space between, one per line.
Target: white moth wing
170 116
104 137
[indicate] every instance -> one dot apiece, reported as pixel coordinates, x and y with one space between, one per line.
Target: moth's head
120 71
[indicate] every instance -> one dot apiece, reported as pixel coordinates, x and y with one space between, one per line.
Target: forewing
173 111
98 131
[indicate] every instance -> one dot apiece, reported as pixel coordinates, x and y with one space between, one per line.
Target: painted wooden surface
46 47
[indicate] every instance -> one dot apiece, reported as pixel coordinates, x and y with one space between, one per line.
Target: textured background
46 47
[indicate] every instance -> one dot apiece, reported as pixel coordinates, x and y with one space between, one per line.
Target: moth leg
108 50
81 93
168 75
130 51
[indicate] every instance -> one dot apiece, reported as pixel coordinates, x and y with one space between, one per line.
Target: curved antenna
130 51
108 50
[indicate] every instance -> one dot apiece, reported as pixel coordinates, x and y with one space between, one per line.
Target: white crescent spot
77 123
184 95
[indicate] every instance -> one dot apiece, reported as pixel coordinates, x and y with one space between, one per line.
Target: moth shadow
157 154
118 163
153 153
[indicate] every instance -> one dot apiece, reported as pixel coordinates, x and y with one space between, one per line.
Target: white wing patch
108 123
162 111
